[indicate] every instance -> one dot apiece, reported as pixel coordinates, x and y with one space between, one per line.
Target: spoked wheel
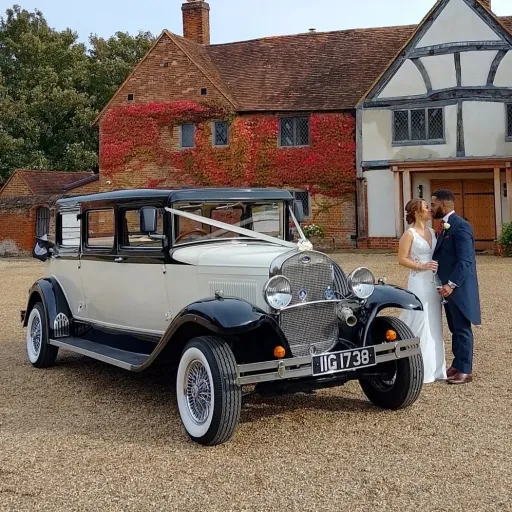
209 400
40 353
402 381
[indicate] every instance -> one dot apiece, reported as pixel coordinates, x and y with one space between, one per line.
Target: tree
52 88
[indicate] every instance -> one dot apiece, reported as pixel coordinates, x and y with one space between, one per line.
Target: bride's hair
413 206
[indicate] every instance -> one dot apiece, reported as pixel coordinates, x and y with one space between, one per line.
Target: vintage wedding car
211 279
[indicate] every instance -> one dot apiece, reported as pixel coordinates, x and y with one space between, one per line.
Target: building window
131 97
100 229
509 122
187 135
220 133
422 125
305 197
294 131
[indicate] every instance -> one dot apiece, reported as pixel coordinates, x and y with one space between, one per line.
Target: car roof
185 194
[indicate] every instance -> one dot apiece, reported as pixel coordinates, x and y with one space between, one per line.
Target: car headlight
361 282
278 292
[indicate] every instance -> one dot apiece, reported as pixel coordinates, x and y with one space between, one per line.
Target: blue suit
455 253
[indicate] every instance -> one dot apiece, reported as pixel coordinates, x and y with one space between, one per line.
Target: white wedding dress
426 324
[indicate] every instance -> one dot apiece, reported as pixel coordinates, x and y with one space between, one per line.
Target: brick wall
17 231
15 188
89 188
167 74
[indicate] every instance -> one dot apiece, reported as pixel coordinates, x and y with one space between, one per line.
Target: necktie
439 229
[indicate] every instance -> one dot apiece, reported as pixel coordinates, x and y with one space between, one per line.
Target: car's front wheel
402 380
40 353
209 399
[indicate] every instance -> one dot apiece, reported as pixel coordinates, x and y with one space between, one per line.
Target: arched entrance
42 221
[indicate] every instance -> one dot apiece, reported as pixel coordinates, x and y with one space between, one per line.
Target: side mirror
298 211
148 220
41 250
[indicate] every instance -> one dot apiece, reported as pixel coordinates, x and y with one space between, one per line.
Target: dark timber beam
461 149
495 65
424 74
484 93
490 20
445 49
458 69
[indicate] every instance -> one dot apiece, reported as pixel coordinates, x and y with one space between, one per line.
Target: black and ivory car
211 281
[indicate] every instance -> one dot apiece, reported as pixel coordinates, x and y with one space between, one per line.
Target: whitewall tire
40 353
209 400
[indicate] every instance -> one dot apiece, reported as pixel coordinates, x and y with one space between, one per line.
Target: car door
123 272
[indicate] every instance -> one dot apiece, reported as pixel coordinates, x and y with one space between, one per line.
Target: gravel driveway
86 436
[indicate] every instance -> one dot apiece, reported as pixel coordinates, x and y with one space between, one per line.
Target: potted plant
313 232
505 240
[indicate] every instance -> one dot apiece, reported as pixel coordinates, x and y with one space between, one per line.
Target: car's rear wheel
402 380
209 399
40 353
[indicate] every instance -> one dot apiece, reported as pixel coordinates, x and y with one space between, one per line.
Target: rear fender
386 296
49 292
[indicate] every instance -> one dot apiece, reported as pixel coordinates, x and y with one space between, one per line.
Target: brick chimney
487 4
196 21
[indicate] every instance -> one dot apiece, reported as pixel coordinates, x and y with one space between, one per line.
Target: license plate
344 361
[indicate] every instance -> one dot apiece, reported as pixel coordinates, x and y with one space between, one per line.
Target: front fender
221 317
387 296
49 292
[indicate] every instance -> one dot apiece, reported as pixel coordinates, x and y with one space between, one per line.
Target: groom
455 253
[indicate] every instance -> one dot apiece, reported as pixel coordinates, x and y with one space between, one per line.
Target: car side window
100 229
68 230
132 237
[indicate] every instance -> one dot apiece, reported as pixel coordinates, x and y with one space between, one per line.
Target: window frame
193 136
58 231
417 142
214 142
85 228
294 192
134 250
508 123
295 118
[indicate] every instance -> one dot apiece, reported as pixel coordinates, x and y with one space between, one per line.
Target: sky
232 20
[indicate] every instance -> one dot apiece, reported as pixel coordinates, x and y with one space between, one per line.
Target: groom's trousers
462 338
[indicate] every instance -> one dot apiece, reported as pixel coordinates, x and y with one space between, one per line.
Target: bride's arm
404 249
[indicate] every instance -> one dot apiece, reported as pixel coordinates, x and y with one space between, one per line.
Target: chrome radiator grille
310 328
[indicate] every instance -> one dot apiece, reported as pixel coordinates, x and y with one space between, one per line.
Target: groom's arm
464 253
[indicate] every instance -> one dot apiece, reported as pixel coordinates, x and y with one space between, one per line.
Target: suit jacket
455 253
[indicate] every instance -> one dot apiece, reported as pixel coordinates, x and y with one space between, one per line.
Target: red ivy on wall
135 135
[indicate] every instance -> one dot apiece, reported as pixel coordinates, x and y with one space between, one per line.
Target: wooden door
474 200
479 211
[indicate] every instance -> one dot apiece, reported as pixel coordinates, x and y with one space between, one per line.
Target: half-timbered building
440 116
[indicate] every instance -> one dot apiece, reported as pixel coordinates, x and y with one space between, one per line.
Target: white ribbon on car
239 230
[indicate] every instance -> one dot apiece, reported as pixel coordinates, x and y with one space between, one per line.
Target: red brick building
27 202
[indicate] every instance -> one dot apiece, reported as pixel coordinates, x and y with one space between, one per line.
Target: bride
415 253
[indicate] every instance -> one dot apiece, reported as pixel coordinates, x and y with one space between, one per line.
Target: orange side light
279 352
391 335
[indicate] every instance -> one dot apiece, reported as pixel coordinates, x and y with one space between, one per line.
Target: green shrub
313 230
505 239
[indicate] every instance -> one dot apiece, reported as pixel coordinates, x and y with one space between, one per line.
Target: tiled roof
312 71
50 182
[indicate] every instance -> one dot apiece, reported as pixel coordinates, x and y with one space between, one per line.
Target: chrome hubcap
35 335
198 392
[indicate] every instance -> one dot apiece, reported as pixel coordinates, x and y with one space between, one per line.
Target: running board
114 356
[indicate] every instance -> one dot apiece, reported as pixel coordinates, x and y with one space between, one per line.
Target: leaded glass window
294 131
418 125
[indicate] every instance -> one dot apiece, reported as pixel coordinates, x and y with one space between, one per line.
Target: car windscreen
262 217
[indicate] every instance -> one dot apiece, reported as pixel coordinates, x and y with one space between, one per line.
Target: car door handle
119 260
